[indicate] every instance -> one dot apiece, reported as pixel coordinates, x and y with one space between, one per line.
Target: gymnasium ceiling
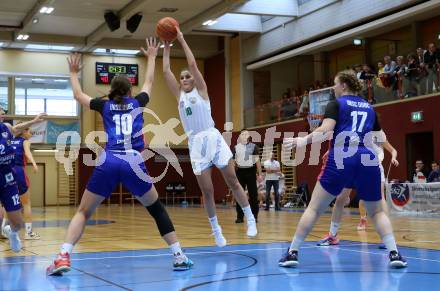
80 24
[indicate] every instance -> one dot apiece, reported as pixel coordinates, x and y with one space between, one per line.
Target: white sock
28 227
66 248
176 250
334 227
296 243
248 213
4 221
214 223
390 242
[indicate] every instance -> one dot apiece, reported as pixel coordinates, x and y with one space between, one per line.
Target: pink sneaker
60 265
328 240
362 224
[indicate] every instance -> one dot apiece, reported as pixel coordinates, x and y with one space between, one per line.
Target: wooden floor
134 229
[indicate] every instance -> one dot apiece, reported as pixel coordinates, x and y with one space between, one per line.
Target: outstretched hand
179 33
40 117
152 47
74 61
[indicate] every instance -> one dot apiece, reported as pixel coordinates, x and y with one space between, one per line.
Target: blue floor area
350 266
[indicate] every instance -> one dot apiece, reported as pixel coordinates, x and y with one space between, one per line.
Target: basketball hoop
314 120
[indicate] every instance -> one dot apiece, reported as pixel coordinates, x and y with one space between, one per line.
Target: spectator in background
398 74
358 70
273 173
423 73
411 77
380 72
430 59
304 108
367 76
248 170
388 79
434 176
420 173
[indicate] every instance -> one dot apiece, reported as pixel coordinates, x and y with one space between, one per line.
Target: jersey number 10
124 124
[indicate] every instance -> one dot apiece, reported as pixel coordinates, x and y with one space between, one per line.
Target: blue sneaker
289 259
396 260
182 263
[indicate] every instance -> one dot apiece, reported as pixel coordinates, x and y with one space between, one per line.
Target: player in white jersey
206 145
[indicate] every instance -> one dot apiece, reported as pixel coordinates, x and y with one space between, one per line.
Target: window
52 95
4 92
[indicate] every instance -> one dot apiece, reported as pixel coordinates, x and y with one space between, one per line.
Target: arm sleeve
332 110
376 126
143 99
97 104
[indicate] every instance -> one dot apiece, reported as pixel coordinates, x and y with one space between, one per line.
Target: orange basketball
166 29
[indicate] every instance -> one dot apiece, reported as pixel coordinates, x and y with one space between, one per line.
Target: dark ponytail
120 86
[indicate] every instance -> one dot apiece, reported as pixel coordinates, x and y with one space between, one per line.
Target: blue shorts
127 168
22 179
365 179
8 190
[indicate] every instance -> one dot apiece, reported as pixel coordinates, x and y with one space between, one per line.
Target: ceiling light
125 52
61 80
49 47
35 20
209 22
115 51
22 37
162 45
46 10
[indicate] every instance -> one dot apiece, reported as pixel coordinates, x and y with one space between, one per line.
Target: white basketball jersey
195 112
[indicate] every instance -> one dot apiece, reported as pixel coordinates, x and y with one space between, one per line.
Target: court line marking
207 252
160 255
382 254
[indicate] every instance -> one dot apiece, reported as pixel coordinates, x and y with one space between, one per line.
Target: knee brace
160 215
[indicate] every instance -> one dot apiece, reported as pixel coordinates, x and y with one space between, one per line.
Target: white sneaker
6 231
220 240
2 233
31 236
252 228
14 240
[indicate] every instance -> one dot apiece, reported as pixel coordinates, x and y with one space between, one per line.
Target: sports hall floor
121 250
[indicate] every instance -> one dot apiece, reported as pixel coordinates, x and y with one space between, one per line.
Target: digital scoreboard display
106 71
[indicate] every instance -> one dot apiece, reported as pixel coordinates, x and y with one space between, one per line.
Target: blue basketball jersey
6 150
122 122
356 117
17 145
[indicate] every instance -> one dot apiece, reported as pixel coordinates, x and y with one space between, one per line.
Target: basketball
166 29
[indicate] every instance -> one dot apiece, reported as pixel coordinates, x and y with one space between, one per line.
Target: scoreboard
106 71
